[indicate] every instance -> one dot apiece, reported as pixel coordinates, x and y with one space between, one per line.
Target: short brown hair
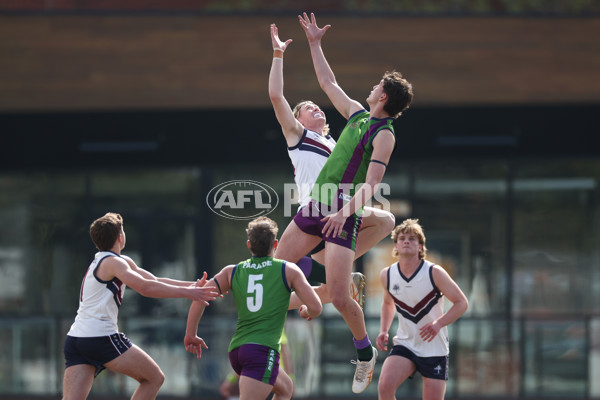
399 92
262 233
410 226
105 230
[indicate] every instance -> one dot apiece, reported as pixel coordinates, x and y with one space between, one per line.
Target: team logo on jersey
242 199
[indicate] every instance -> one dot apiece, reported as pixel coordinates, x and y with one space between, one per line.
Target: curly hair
399 92
410 226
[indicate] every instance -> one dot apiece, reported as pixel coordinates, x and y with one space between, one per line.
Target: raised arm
340 100
292 129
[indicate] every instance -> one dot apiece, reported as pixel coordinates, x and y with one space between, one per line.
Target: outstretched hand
313 32
194 345
202 281
202 293
277 43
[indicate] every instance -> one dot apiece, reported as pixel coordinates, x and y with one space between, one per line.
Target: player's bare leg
376 225
77 381
138 365
338 266
433 389
251 389
295 244
284 387
394 371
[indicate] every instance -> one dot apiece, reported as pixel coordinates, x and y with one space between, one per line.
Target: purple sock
361 344
305 265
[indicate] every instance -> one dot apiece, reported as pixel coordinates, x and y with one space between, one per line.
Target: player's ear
248 245
275 243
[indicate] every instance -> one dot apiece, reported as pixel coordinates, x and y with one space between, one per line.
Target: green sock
317 273
365 354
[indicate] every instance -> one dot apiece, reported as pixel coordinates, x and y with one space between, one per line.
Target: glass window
556 359
556 238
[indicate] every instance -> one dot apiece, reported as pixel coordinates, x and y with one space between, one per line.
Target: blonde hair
410 226
299 106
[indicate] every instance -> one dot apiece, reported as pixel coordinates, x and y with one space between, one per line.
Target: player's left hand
194 345
312 30
202 281
277 43
429 331
303 311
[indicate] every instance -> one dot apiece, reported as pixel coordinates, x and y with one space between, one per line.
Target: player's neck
316 128
116 249
408 265
376 111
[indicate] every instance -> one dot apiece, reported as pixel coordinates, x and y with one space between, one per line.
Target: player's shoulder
438 272
358 113
117 263
110 257
383 274
291 268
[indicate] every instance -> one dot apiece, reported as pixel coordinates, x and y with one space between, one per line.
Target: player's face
407 244
376 93
311 112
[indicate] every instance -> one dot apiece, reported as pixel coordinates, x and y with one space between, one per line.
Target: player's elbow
327 83
275 96
315 309
465 306
462 306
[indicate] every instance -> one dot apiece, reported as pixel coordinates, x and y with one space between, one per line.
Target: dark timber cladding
68 62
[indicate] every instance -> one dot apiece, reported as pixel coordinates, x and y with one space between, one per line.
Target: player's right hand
303 311
312 30
277 43
382 341
194 345
202 281
203 294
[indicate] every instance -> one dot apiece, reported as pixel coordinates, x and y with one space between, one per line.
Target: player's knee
388 222
340 299
155 379
287 392
385 389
